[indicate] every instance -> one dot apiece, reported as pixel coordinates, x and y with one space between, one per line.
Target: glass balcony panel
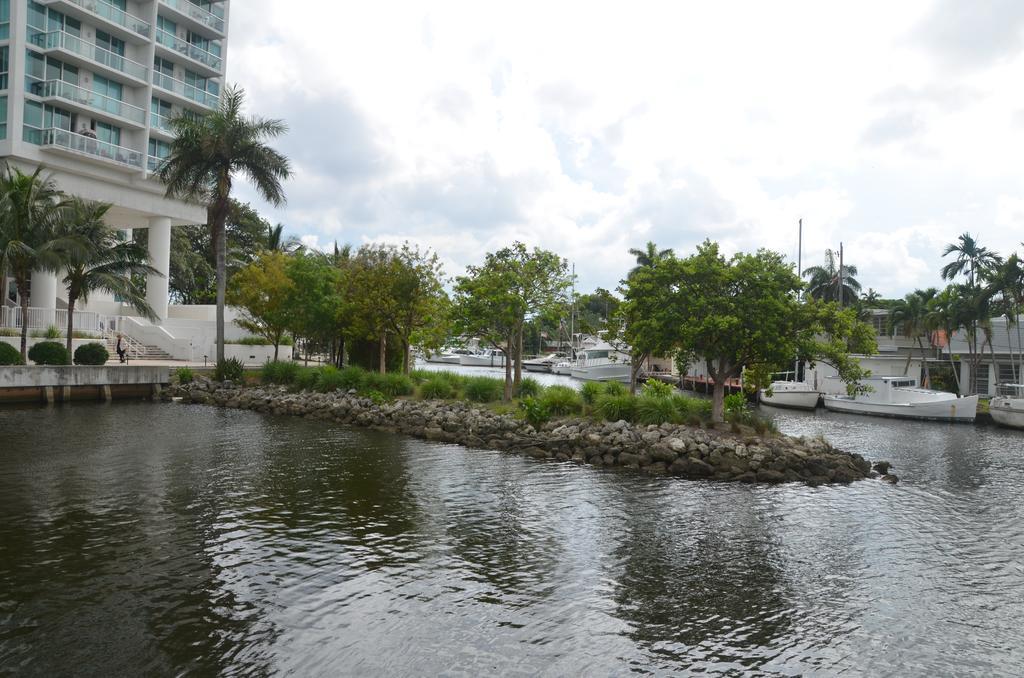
194 52
160 122
70 43
114 15
180 88
83 97
198 13
153 163
80 143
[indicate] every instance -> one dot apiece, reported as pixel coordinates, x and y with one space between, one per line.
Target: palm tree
276 242
205 157
944 313
1005 280
970 257
30 206
824 281
649 255
911 315
870 297
103 263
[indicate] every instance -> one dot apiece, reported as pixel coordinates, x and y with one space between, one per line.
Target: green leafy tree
743 315
207 154
262 291
912 316
316 301
30 209
101 262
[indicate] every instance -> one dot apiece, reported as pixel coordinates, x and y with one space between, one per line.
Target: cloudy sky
589 128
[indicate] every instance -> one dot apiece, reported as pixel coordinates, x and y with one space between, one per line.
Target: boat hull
482 361
609 372
564 370
536 367
442 359
1007 411
952 409
796 400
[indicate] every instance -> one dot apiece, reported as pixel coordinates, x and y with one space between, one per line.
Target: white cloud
588 128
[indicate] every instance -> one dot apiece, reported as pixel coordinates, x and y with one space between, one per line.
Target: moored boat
1007 407
602 362
797 395
490 357
564 367
543 363
901 397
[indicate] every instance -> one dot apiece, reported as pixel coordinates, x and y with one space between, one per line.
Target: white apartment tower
87 89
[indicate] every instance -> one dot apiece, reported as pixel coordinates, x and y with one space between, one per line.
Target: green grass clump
328 379
436 389
693 411
484 389
185 375
614 388
561 400
615 407
656 410
352 377
397 385
535 411
229 369
529 387
420 376
279 372
591 391
305 379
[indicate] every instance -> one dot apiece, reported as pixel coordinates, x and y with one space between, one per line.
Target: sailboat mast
840 281
800 249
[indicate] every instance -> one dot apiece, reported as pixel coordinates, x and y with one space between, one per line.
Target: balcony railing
95 53
194 52
10 316
184 89
161 122
79 143
115 15
84 97
199 14
153 163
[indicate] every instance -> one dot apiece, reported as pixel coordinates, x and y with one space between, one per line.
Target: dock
65 383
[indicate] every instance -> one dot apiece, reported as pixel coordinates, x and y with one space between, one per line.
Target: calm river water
149 539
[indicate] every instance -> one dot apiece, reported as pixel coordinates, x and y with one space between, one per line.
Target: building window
36 16
3 117
165 24
983 370
107 88
32 132
4 65
1006 374
108 133
159 149
5 19
163 66
109 43
58 70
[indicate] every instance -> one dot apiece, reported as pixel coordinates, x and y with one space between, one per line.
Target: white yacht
1007 407
448 356
900 397
544 363
602 362
796 395
489 357
563 367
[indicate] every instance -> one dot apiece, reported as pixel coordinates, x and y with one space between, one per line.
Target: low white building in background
87 91
1006 340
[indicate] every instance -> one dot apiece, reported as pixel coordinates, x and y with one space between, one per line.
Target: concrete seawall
62 383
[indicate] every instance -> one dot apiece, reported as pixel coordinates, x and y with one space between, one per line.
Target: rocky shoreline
665 449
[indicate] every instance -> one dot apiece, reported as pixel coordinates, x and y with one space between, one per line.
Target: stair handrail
133 349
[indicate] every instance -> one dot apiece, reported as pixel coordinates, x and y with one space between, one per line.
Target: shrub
93 353
305 379
377 397
529 387
693 411
561 400
229 369
535 411
591 391
184 374
484 389
614 388
279 372
615 407
328 378
656 410
436 389
396 384
49 353
352 377
9 355
658 389
420 376
735 403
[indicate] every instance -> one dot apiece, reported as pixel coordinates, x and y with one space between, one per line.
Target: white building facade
87 91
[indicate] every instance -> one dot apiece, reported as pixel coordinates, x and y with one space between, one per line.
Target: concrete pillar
160 259
44 290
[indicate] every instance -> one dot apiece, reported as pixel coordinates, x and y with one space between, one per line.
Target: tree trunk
71 321
518 353
276 344
507 395
718 402
924 363
23 293
383 352
407 356
341 351
906 368
222 274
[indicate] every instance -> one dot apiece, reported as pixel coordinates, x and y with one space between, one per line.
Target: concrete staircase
137 351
